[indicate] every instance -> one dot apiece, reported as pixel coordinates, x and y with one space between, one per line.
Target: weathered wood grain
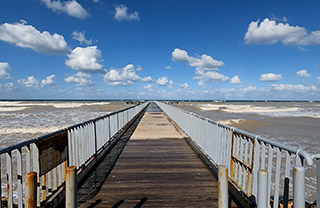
157 168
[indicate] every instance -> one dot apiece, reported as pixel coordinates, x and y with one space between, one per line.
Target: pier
155 155
157 168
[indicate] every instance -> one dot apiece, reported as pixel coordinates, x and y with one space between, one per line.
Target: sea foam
10 109
271 111
29 130
9 105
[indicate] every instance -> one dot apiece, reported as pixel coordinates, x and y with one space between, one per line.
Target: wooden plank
163 177
157 171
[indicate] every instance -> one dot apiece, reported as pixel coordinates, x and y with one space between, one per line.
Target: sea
292 123
24 120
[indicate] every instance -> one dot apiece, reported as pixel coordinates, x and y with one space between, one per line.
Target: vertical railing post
109 128
43 187
30 197
95 137
28 158
71 187
255 164
298 187
318 182
35 168
19 177
223 187
262 195
9 180
118 124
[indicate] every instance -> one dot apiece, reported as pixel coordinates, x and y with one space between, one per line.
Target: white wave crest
8 109
29 130
61 104
9 103
247 108
231 121
77 105
272 111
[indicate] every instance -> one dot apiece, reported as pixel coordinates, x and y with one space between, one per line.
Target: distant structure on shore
134 102
171 102
138 102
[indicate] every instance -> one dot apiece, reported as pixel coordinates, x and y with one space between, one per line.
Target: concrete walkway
157 168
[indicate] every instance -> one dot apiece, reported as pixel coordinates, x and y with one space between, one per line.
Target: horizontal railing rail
244 154
49 155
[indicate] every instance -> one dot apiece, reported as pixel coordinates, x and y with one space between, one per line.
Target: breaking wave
29 130
271 111
61 104
10 109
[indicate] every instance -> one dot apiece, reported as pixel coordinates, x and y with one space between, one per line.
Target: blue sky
168 49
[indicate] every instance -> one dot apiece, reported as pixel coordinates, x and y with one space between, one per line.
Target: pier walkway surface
157 168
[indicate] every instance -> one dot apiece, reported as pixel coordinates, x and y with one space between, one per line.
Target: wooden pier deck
157 168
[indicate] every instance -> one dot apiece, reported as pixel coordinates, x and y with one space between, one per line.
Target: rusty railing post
31 190
223 187
71 187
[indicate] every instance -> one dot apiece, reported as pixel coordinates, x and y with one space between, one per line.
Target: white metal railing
244 154
84 141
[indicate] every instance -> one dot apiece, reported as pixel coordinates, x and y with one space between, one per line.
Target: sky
160 49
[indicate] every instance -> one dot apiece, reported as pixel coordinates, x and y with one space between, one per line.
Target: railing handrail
49 155
245 154
100 117
302 153
33 140
17 146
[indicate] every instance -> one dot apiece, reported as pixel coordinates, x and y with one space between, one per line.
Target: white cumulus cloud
270 77
202 63
26 36
85 59
80 79
185 85
162 81
205 66
72 8
4 70
214 76
31 81
248 89
80 36
283 19
124 76
121 13
318 78
148 87
171 84
303 73
48 80
294 88
235 80
146 79
270 32
210 76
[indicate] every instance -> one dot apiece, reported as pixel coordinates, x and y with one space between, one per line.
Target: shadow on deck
157 168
